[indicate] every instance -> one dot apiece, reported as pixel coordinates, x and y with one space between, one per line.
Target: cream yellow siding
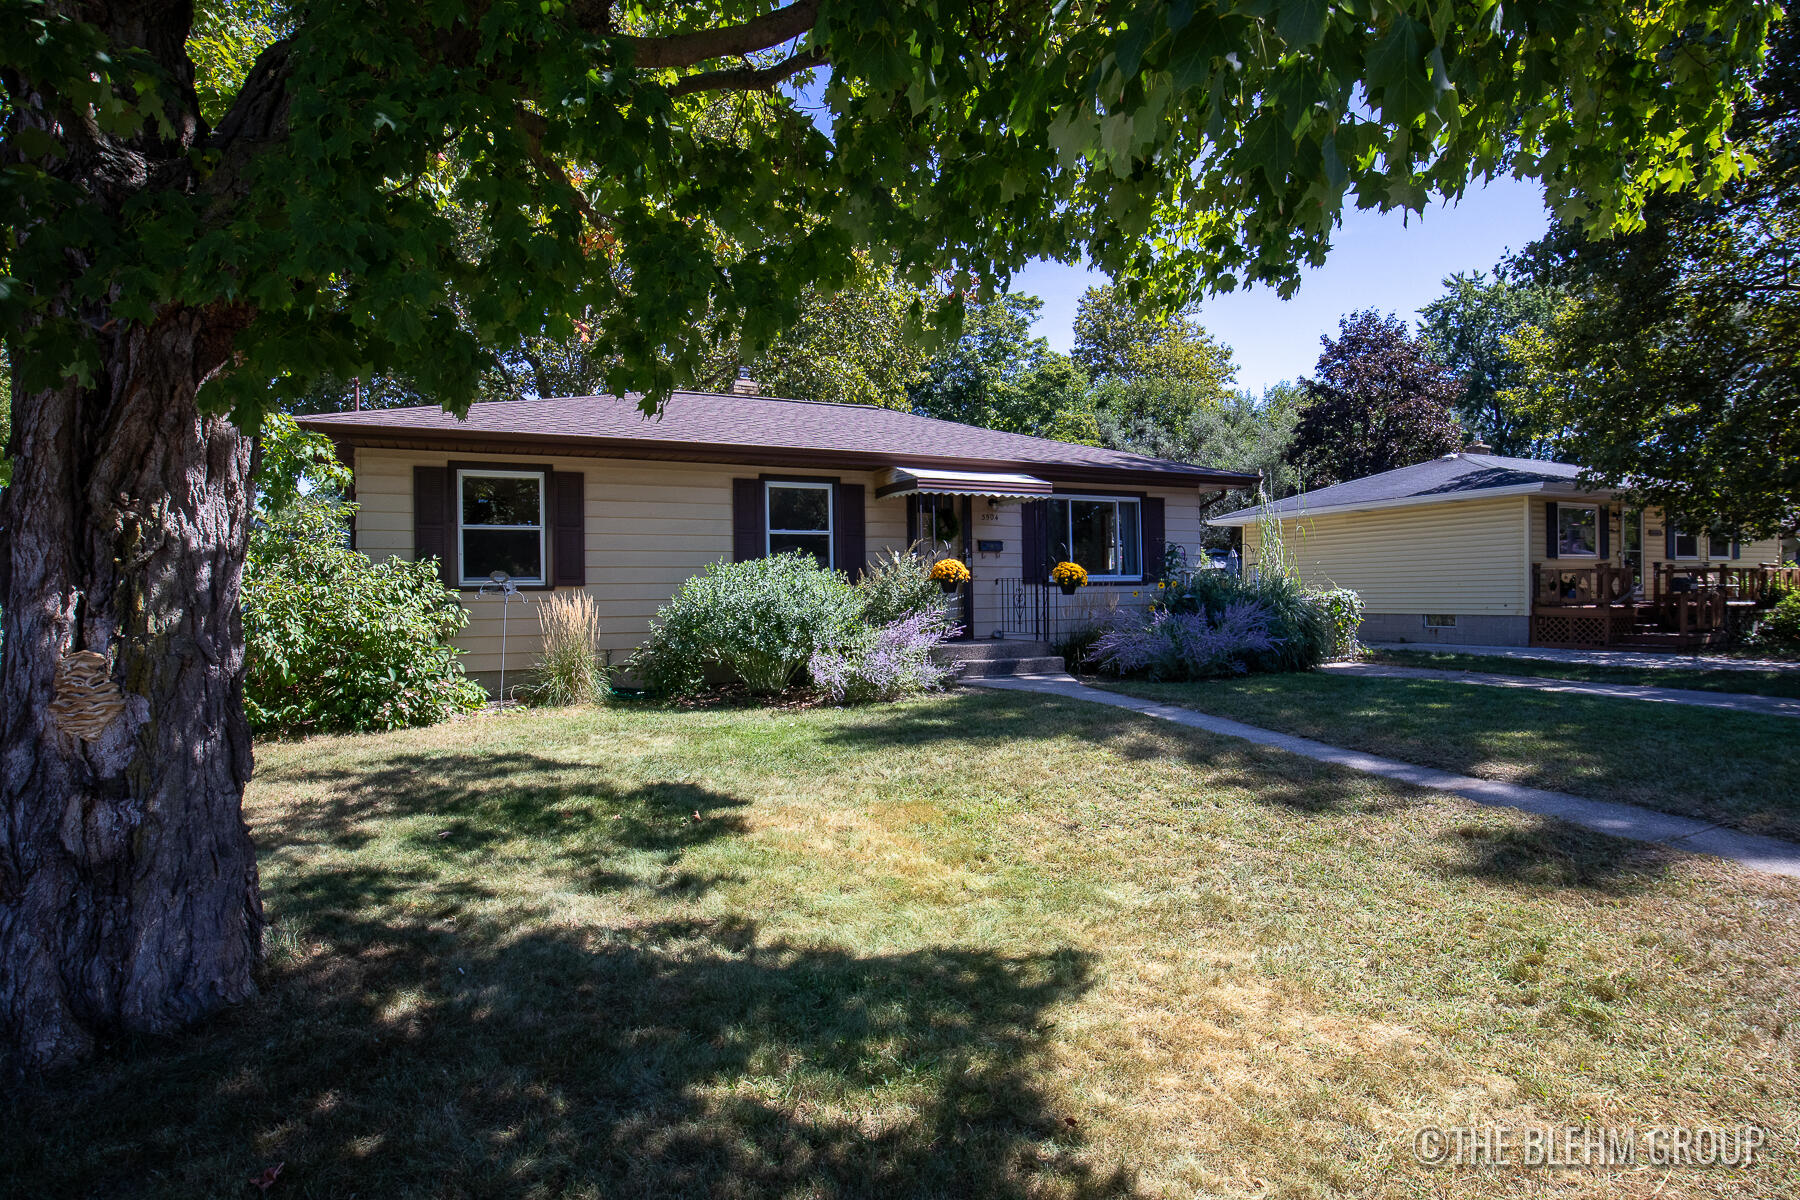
1465 557
1750 553
1469 557
650 525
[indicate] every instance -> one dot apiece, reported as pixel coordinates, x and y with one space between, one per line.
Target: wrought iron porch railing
1040 612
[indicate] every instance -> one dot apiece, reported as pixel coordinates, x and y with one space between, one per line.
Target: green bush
1298 628
761 621
898 585
1076 647
335 642
1342 610
1778 632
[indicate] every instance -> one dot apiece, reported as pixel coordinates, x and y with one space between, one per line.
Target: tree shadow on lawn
417 1039
1550 854
573 819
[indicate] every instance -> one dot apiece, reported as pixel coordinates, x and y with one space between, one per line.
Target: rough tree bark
128 885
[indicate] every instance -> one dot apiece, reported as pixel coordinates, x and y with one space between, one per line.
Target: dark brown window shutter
568 526
1668 539
433 524
1152 529
1550 530
1034 541
850 538
1603 518
747 540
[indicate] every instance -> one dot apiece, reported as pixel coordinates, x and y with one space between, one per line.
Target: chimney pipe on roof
743 385
1478 447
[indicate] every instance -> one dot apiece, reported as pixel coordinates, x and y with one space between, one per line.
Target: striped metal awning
908 481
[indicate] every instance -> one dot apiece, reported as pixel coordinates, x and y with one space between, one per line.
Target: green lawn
1760 683
979 945
1739 769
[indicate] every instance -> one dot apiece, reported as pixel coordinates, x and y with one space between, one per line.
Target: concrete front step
990 648
1000 668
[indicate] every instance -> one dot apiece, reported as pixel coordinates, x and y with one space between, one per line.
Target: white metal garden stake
501 584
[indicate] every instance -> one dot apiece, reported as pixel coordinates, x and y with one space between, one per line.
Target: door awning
908 481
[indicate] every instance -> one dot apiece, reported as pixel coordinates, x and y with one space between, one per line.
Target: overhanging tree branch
690 49
535 127
747 79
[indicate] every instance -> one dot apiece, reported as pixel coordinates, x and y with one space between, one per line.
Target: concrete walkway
1600 658
1735 701
1619 820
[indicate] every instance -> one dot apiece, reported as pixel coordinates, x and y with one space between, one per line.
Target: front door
940 525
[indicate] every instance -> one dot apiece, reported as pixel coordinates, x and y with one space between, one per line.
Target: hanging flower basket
1068 576
950 574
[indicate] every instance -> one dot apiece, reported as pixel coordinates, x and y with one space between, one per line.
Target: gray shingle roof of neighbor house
706 427
1461 476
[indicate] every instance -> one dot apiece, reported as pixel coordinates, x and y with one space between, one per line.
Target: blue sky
1377 261
1391 262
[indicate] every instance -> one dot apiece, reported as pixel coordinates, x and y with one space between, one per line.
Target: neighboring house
588 492
1477 549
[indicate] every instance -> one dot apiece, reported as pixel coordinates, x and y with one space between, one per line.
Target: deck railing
1602 585
1683 597
1734 583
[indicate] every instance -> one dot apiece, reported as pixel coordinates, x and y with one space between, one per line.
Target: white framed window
799 516
1718 545
500 526
1099 533
1440 620
1684 545
1577 531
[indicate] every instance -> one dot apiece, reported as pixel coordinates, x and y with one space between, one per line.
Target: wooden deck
1678 607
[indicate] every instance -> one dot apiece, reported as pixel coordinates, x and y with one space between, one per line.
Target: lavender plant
1177 646
894 661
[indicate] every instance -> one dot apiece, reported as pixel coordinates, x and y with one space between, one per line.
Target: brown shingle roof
704 427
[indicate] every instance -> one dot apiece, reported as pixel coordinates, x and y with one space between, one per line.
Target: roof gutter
386 437
1249 516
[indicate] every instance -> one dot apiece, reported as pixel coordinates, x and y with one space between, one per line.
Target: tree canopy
1378 400
1478 329
1117 337
1672 371
1195 147
998 375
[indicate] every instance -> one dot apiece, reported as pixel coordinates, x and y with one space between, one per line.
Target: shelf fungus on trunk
88 699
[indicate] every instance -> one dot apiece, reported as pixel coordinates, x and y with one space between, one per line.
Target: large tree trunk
128 885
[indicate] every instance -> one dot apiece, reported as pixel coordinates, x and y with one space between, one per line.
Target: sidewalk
1619 820
1735 701
1599 658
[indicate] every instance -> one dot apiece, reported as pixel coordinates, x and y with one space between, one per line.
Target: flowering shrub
334 641
950 570
1297 621
760 621
1342 610
894 661
895 586
1175 646
1065 574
